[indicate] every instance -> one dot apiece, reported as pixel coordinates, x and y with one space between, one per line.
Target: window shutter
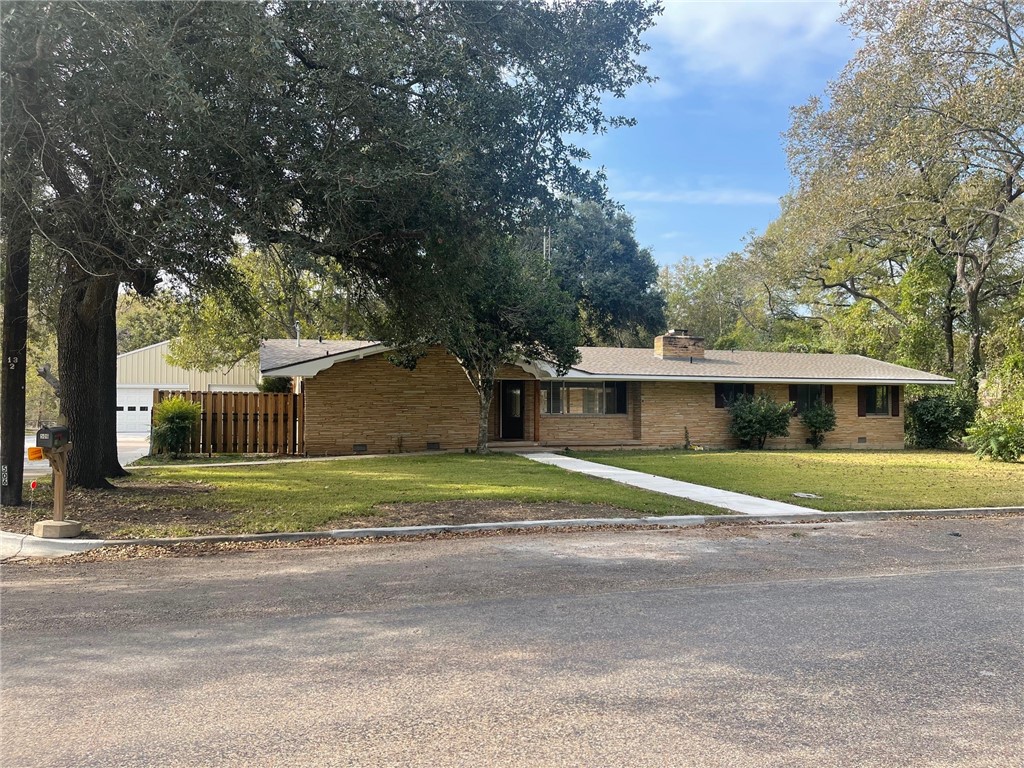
748 389
862 401
826 393
719 395
794 396
894 398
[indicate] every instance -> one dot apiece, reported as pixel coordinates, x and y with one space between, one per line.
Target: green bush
936 421
755 419
275 384
998 431
820 419
174 420
998 436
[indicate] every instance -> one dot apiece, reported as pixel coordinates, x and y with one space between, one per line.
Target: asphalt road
869 644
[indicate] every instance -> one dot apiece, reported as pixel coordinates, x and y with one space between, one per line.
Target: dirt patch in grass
128 510
146 509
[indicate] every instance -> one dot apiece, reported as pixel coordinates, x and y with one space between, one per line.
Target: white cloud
750 40
721 196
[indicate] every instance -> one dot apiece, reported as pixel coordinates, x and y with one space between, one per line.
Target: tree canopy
909 176
274 295
506 308
139 139
597 260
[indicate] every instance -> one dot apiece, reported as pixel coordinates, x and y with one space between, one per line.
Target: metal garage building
143 371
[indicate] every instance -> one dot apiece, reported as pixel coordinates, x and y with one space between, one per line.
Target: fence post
299 409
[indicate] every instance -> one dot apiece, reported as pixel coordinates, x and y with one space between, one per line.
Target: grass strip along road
446 489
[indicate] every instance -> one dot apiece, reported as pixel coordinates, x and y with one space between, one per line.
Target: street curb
31 546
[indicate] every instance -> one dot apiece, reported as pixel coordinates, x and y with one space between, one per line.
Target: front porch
527 413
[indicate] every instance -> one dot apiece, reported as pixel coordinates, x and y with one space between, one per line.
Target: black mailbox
53 437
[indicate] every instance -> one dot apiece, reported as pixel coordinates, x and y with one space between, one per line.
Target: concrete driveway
868 644
130 446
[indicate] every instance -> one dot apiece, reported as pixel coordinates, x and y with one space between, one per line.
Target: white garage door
133 408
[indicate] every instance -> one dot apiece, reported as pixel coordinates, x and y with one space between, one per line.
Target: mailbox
53 437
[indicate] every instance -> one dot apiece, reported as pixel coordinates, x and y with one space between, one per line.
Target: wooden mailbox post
54 443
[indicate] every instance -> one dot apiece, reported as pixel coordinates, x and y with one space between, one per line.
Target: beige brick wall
390 409
567 429
669 407
579 429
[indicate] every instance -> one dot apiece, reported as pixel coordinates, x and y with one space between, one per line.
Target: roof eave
577 375
315 365
165 342
545 371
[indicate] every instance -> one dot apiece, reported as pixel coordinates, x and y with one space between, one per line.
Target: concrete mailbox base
57 529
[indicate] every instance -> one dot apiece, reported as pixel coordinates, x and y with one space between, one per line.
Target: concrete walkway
737 502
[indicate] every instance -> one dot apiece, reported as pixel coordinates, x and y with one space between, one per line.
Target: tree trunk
948 336
81 302
18 247
971 292
106 348
486 392
948 318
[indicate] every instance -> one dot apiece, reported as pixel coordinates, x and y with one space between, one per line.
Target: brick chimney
679 345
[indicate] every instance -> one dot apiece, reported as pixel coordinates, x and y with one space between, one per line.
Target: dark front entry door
512 400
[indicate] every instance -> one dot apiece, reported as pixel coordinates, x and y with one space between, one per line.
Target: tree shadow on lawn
153 509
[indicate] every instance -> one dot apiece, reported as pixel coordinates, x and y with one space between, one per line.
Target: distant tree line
903 237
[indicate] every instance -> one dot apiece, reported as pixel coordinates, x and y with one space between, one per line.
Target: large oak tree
152 134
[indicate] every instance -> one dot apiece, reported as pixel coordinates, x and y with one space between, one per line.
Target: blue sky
705 164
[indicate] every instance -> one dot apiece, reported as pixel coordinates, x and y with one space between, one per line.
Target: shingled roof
283 353
285 357
728 365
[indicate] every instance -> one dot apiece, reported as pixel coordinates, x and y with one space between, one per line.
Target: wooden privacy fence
246 422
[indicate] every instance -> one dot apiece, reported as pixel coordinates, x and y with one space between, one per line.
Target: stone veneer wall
670 408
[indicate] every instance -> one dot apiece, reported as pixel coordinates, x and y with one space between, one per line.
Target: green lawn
848 480
164 460
311 495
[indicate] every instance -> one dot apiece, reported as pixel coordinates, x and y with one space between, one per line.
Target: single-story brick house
358 402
